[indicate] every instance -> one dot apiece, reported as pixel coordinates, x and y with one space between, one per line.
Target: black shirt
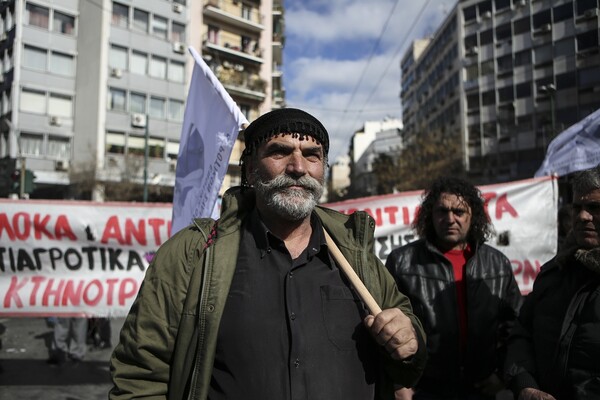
291 329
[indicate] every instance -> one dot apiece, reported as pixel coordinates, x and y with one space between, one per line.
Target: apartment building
93 91
504 77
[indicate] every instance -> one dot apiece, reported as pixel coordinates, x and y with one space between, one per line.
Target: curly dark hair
481 227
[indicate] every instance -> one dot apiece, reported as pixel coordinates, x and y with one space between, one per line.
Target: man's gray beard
290 204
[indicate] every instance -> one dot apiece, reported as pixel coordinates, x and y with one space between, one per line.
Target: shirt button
291 275
269 250
293 316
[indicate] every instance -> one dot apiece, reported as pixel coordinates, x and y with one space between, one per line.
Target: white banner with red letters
69 258
523 214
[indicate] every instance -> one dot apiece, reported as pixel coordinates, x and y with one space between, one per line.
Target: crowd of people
256 305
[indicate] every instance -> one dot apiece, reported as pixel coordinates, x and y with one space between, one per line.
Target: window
37 16
523 90
506 94
117 57
213 34
564 48
503 32
60 105
176 110
157 107
137 103
470 13
115 142
139 63
156 147
505 63
246 12
584 5
488 98
587 40
487 68
34 57
136 145
486 37
589 76
63 23
62 64
473 101
120 15
140 20
566 80
59 147
31 144
176 71
159 26
172 150
522 25
470 41
523 58
502 4
472 72
116 100
158 67
33 101
543 54
177 32
541 18
563 12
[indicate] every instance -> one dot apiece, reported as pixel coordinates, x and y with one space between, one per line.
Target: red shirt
459 259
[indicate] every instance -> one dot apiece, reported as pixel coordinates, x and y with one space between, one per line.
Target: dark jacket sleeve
519 369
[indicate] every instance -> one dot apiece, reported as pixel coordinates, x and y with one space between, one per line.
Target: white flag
575 149
211 125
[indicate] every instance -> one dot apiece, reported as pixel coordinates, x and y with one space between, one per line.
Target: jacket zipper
201 324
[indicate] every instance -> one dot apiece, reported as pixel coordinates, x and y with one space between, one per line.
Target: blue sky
342 58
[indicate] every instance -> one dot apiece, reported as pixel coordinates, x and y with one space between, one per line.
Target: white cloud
332 69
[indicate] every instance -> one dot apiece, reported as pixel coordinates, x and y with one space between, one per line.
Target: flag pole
354 279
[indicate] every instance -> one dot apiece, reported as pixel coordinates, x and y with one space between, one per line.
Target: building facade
504 77
93 92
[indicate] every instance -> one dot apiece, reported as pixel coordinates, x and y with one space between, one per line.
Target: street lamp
141 121
550 90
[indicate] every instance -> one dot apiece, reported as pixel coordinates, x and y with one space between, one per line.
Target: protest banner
66 258
69 258
523 214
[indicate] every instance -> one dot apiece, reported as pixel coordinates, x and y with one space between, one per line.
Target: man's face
451 221
586 218
288 175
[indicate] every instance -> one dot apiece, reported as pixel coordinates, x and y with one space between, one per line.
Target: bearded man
253 306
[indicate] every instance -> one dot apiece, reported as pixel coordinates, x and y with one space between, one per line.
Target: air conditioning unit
172 165
487 15
591 13
116 72
521 3
3 37
178 47
472 51
61 165
546 28
138 120
178 8
54 120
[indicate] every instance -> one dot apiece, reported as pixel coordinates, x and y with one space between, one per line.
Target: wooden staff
358 285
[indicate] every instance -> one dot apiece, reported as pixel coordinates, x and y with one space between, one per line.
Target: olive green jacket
168 341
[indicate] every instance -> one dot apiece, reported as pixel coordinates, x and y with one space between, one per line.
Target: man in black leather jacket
463 291
554 349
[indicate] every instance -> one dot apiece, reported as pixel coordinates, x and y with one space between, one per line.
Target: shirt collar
265 239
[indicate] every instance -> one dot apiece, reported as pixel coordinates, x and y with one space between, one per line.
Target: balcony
242 83
235 13
247 54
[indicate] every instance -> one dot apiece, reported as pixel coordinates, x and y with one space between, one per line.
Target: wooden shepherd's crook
359 286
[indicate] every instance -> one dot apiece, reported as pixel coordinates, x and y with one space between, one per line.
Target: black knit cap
284 120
